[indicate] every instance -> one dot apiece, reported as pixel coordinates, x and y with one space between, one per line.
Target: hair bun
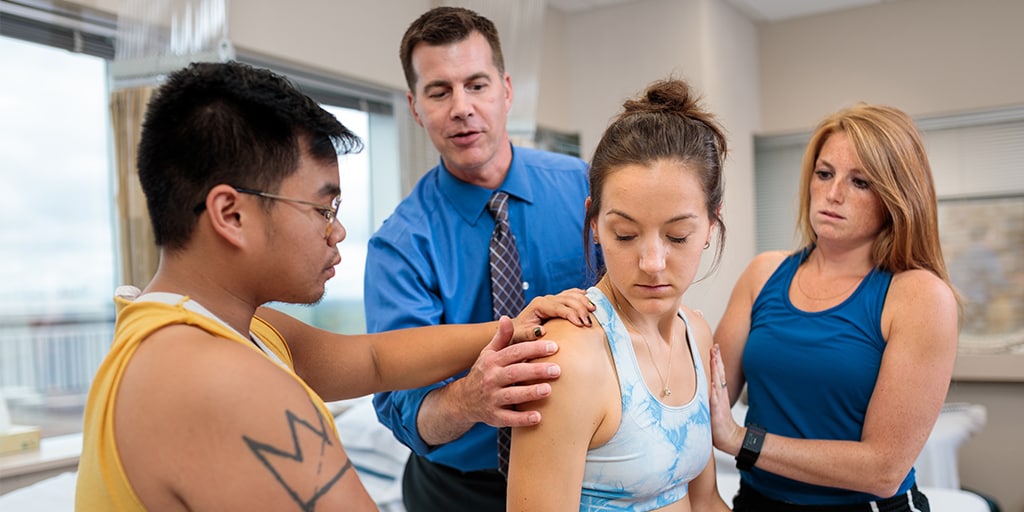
664 96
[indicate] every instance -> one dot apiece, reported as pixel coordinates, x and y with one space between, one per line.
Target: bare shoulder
585 395
760 269
584 386
921 290
224 421
577 346
920 306
765 263
757 273
194 359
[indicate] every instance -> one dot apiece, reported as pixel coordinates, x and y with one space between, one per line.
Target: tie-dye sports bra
657 448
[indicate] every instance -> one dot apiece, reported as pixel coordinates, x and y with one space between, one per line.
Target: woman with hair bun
628 427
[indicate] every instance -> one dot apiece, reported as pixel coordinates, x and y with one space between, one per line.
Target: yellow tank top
102 484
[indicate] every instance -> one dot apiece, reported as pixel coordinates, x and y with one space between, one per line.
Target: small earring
707 244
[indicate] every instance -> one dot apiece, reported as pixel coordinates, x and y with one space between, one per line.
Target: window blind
76 29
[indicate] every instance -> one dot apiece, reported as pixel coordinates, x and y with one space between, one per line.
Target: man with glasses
201 404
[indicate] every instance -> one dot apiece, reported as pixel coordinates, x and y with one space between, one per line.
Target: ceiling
757 10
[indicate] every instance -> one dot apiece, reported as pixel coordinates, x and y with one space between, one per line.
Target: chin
314 300
306 300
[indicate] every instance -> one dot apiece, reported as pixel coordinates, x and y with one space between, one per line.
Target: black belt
749 500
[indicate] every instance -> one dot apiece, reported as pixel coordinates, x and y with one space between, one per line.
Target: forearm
412 358
440 419
830 463
431 416
340 367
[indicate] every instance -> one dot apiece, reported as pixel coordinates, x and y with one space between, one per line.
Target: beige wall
353 38
552 107
925 56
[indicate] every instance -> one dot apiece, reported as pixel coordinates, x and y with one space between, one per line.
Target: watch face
751 440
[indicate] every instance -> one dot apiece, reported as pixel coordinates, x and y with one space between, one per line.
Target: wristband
752 442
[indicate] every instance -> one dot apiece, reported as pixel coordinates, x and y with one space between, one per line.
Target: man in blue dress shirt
428 263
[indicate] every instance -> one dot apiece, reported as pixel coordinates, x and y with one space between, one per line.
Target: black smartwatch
751 447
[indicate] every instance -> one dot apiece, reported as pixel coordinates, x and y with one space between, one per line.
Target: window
56 234
57 223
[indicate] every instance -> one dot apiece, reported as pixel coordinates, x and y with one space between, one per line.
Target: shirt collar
470 201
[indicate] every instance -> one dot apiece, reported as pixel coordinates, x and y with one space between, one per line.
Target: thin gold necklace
665 391
800 286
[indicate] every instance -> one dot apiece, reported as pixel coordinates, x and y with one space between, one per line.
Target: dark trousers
749 500
430 487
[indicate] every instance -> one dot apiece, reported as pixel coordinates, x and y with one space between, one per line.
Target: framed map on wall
983 244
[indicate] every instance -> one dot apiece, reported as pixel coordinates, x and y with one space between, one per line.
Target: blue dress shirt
428 264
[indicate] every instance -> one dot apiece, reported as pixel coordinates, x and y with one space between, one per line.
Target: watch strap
751 449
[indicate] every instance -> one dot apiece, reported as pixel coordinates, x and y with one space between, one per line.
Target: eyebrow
436 83
448 83
330 189
822 161
677 218
478 76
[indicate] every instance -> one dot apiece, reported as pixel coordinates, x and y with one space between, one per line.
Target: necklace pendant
666 392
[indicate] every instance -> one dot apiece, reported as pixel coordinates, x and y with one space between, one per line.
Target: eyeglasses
330 213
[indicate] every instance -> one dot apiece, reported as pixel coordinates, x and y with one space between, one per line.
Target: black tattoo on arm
309 447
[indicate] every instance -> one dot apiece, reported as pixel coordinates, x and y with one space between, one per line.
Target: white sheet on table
55 494
378 457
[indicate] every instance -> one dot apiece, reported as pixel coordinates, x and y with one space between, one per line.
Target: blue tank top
811 375
657 448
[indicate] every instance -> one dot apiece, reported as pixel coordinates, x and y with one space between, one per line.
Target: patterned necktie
506 289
